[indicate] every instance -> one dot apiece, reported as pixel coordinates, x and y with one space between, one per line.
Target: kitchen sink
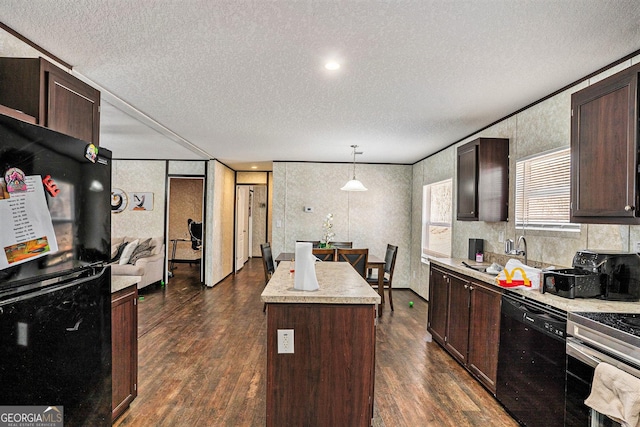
480 268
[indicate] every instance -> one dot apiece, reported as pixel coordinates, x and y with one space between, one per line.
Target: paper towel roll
305 275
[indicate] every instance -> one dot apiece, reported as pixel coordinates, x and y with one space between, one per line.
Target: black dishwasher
532 361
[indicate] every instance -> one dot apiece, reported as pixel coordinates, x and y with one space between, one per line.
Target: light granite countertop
566 304
120 282
339 284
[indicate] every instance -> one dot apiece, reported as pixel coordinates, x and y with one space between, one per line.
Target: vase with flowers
327 231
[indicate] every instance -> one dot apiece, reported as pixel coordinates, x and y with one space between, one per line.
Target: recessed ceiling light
332 65
254 167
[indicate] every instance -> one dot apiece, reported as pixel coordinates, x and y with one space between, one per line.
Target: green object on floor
410 303
141 298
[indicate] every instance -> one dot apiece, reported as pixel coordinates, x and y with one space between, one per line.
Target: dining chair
267 261
314 243
389 266
339 245
324 254
356 257
268 264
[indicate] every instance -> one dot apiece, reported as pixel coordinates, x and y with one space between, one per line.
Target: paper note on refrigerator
26 229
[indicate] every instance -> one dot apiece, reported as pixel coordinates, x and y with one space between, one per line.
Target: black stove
616 334
622 323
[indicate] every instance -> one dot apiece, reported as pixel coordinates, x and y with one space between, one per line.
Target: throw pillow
118 252
127 252
140 254
142 246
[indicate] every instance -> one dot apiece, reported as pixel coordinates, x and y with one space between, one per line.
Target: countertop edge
121 282
305 299
339 284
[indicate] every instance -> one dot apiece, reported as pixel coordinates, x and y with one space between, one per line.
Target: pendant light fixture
354 184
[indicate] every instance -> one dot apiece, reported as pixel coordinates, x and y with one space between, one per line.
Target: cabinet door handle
629 208
470 288
466 286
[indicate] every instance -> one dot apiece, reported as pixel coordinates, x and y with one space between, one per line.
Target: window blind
543 191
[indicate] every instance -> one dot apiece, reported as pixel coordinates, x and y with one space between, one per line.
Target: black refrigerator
55 282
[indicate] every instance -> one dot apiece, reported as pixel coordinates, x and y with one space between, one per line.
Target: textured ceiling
243 81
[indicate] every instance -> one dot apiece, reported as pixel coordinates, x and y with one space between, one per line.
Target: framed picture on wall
142 202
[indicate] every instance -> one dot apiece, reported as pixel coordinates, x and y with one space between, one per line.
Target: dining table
373 263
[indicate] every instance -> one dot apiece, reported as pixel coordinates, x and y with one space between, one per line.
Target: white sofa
150 269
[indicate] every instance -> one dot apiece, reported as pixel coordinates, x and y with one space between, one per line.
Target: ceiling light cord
354 159
354 184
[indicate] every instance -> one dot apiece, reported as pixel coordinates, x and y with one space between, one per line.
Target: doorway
251 222
186 202
243 214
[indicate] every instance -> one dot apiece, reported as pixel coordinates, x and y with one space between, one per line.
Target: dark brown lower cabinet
438 297
124 349
457 336
329 379
471 325
484 334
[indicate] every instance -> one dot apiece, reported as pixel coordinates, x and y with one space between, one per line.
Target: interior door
242 230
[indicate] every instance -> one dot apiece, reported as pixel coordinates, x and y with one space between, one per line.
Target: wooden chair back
356 257
339 245
324 254
267 261
390 261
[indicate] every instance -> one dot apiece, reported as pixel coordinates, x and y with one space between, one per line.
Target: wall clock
119 200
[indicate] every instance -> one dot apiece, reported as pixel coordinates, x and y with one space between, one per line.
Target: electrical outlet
23 334
285 341
501 237
637 250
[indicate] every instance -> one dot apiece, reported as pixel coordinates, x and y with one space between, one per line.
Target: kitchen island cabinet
471 316
604 151
124 348
328 377
35 89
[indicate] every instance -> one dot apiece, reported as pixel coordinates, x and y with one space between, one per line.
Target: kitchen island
327 375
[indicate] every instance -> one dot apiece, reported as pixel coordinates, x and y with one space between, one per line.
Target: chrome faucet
508 248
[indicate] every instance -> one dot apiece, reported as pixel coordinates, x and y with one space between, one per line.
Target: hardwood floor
202 361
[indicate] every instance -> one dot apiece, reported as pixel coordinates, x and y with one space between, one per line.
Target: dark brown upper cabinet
483 180
604 151
54 98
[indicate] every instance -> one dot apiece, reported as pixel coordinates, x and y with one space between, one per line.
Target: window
543 192
437 210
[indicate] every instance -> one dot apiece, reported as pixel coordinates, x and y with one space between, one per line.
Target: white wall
139 176
369 219
220 220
